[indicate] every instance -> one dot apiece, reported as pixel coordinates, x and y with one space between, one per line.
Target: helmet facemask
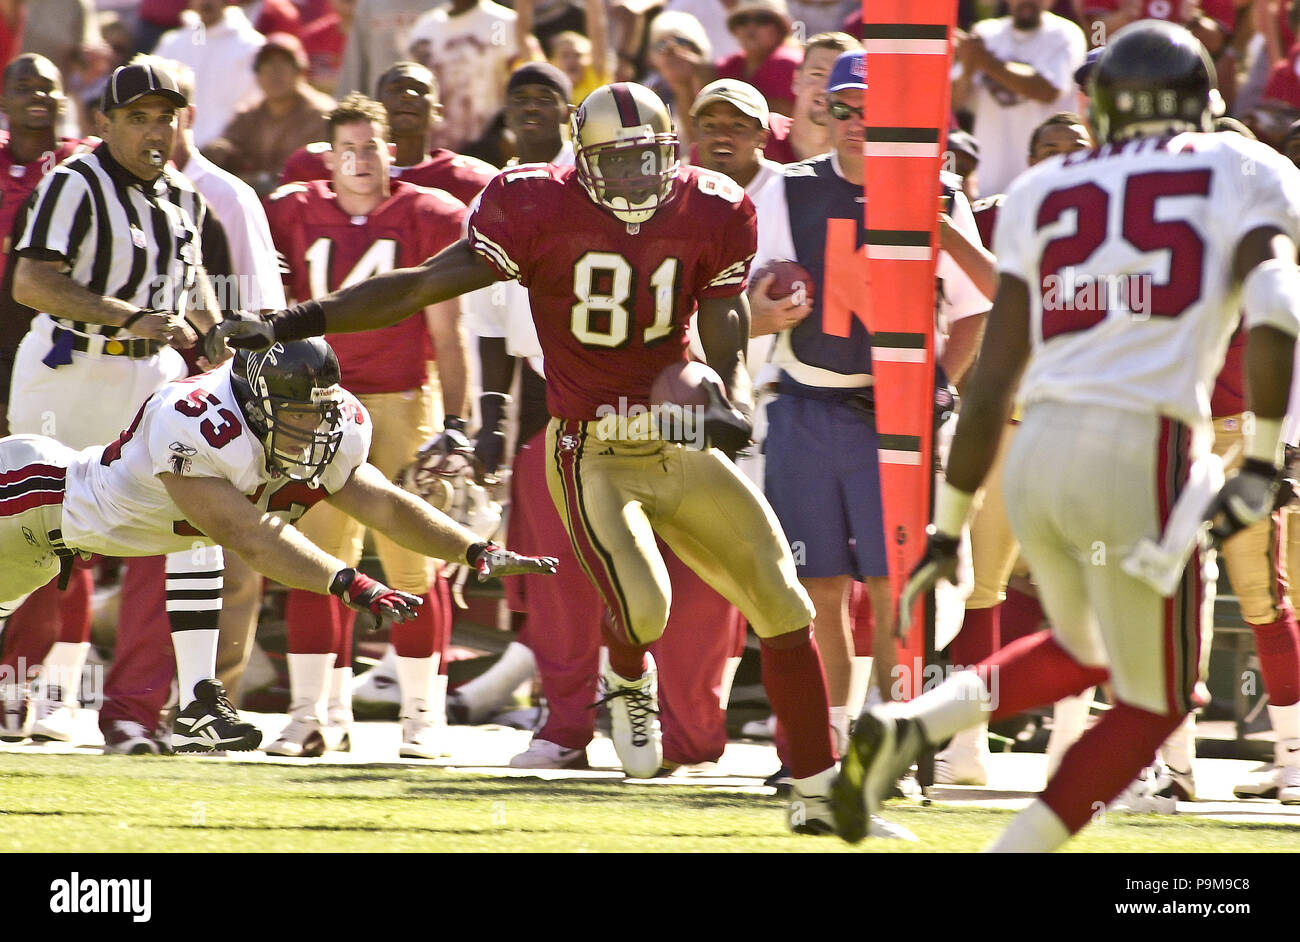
303 437
626 152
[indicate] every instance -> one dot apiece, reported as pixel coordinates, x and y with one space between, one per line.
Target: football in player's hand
791 278
683 384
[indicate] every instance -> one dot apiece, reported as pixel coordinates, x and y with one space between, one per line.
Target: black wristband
341 581
453 423
126 324
299 322
1264 469
492 406
475 551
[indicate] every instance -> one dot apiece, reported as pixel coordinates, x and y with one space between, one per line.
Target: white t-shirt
1143 321
252 253
1004 121
222 59
116 504
471 56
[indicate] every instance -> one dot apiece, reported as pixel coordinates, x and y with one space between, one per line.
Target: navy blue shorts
823 481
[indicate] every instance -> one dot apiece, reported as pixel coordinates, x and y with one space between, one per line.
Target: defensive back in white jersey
116 504
1128 254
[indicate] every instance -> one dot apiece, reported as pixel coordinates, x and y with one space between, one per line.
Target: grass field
86 803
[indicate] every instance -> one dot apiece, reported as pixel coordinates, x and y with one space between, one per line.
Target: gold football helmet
626 150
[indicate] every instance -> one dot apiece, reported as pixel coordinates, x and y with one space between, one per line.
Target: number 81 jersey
612 300
116 504
1128 254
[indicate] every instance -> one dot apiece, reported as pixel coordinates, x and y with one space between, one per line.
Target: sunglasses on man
842 112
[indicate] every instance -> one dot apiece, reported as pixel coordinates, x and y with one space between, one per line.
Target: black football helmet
1153 76
291 397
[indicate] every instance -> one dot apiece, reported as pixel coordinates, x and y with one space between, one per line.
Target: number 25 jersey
1128 251
611 301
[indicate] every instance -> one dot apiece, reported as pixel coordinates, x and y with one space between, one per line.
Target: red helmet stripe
627 110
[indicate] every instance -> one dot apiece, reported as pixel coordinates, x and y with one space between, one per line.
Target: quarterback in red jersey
331 234
409 93
616 253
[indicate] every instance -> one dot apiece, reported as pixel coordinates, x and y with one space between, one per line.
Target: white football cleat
338 730
53 719
1142 795
302 738
125 737
759 729
544 754
634 721
964 761
422 733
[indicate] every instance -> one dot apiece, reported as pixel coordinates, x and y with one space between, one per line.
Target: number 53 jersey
116 504
1128 251
611 300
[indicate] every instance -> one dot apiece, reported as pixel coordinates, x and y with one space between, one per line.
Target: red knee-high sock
440 595
1104 760
347 621
416 638
74 605
1035 671
978 637
796 688
626 659
311 621
1278 645
1020 616
30 631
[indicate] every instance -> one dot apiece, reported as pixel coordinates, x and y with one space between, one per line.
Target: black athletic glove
938 562
453 436
245 332
359 591
492 561
726 427
1245 498
490 446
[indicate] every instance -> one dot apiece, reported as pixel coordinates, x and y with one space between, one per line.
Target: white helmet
626 150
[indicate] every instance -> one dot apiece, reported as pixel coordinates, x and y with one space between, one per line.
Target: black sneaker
211 723
882 749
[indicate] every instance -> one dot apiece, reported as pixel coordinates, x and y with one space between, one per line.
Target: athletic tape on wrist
951 507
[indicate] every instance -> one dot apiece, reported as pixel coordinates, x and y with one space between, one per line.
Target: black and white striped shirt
120 236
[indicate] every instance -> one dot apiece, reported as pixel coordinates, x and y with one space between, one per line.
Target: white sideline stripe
897 355
907 47
899 253
902 149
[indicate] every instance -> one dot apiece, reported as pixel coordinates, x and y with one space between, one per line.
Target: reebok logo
201 722
75 895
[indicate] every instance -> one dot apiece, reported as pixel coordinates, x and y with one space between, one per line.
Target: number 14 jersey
1128 251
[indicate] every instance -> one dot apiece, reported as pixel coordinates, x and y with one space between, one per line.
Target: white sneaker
337 730
379 684
300 739
1175 783
52 720
963 762
1283 774
1142 795
543 754
1289 785
422 734
1265 783
634 722
124 737
809 810
760 729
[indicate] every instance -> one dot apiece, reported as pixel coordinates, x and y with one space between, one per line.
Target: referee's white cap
130 83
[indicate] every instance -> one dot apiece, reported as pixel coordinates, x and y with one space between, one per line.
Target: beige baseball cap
740 95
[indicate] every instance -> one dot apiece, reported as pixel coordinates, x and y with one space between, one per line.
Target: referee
110 254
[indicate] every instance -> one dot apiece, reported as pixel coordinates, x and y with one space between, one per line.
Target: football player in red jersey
616 253
332 234
409 93
33 100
